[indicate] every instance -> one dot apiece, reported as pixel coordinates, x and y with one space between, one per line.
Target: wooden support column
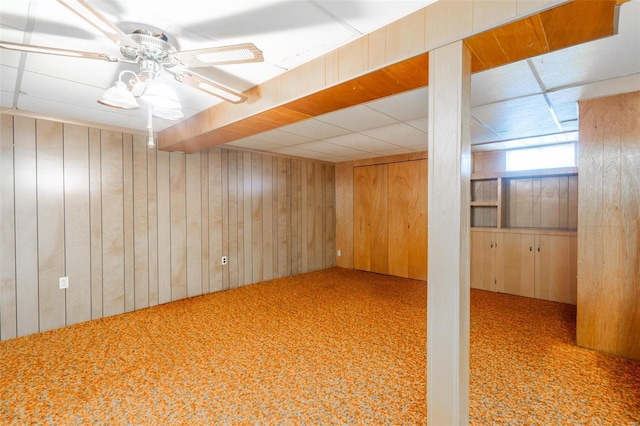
448 276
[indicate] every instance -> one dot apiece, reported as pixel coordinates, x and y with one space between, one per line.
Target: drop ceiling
523 103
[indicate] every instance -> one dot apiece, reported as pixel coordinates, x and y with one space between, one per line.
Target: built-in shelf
544 198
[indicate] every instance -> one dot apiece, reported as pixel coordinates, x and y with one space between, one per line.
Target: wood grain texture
193 218
370 212
128 220
95 207
608 299
178 202
408 219
164 228
113 275
77 225
51 265
80 191
152 210
140 223
26 222
8 328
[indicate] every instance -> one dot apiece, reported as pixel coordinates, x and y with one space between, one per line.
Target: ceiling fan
152 51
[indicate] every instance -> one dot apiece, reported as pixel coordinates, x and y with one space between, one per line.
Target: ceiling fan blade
54 51
98 20
223 55
210 87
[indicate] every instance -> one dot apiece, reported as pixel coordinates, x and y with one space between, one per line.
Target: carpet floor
328 347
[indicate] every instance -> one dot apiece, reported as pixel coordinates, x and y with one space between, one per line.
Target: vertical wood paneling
26 221
320 175
329 209
257 233
296 215
608 253
408 219
8 327
177 182
193 219
95 207
129 255
267 218
204 217
216 234
232 188
164 228
282 230
133 227
152 211
344 214
370 234
77 224
51 266
141 200
247 217
113 276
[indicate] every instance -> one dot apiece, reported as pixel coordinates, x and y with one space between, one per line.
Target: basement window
542 157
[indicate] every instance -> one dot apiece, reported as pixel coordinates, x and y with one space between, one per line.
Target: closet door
370 218
408 219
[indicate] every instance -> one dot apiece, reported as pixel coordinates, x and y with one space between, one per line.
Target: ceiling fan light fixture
162 97
117 96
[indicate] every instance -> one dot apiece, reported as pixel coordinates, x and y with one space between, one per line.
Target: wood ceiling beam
357 73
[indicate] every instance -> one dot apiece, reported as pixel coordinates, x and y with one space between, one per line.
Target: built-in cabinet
525 262
523 235
390 218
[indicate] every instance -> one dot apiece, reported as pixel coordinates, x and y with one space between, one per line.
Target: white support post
448 278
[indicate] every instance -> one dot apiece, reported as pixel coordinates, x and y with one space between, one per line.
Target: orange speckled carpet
328 347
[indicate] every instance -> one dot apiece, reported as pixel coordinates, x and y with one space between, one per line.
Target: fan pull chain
150 142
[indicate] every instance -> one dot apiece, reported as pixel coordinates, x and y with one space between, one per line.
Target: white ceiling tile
514 114
362 142
407 106
6 99
9 78
398 134
357 118
399 151
520 133
282 138
298 152
420 124
479 133
506 82
614 56
329 148
367 15
314 129
252 143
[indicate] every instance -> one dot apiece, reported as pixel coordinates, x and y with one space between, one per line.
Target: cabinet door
554 279
408 219
370 218
477 259
519 264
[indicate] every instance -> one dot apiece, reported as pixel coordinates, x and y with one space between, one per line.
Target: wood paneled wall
344 175
609 226
133 227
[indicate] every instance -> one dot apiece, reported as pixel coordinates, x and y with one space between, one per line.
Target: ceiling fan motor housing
150 48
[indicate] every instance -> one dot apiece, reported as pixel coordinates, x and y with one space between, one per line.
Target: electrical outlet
224 260
63 283
339 252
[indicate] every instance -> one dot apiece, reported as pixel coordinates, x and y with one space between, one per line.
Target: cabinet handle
491 244
530 247
538 248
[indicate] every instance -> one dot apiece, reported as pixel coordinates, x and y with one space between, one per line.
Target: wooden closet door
370 218
408 219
